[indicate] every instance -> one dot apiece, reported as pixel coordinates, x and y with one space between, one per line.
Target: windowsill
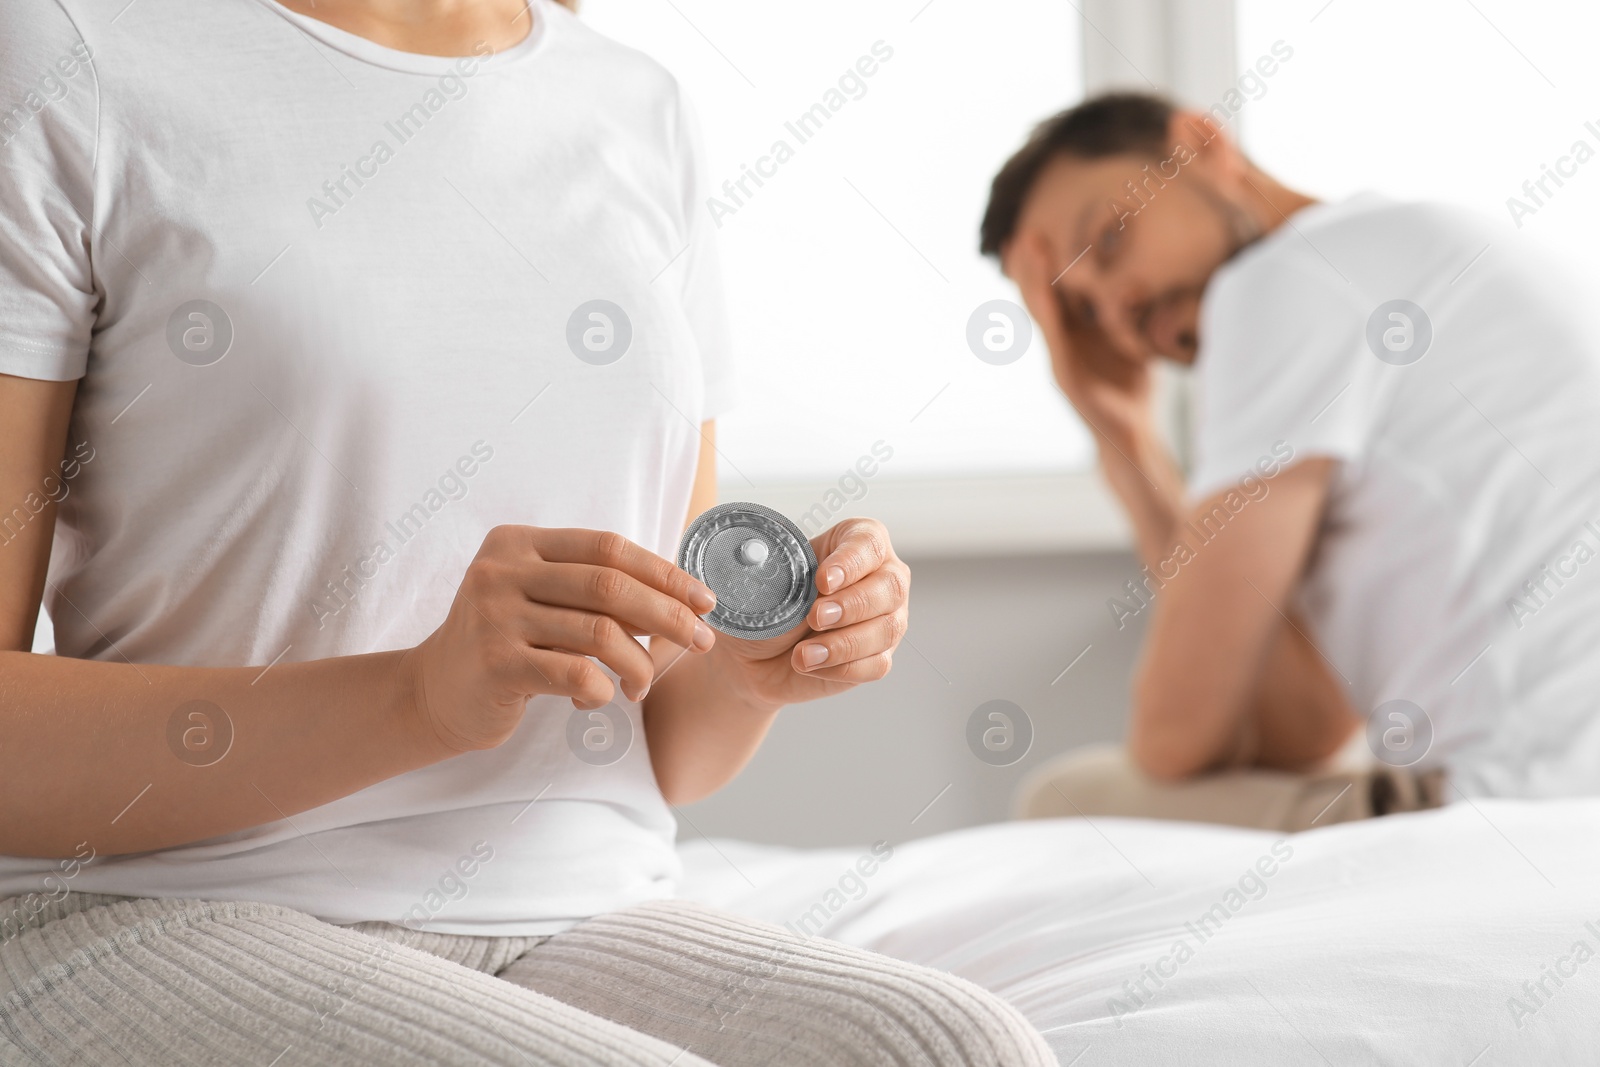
1002 515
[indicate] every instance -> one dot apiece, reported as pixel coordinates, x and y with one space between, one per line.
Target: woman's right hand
1109 389
534 605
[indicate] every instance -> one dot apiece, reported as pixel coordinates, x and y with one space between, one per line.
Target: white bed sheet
1403 940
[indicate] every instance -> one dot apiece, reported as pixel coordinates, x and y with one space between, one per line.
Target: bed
1469 935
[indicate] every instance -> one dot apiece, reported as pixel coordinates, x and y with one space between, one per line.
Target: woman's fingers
882 592
862 613
609 575
858 547
600 636
870 669
851 644
605 549
537 613
607 591
566 674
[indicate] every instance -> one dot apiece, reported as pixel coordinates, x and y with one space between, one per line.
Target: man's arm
1228 676
1295 713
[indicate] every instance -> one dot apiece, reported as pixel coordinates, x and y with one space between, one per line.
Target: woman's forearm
702 728
130 758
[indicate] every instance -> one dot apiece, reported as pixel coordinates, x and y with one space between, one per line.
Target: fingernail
828 614
703 637
813 655
642 694
703 599
835 577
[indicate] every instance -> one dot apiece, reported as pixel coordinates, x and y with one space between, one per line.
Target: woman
320 324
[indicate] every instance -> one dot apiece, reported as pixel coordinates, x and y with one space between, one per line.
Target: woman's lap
197 982
737 991
178 981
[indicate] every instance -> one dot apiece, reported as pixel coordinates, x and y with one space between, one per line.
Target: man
1395 495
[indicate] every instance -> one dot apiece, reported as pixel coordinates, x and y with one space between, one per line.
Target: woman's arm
110 753
706 716
87 749
101 752
701 729
33 438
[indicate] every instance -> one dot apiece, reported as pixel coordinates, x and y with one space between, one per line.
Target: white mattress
1403 940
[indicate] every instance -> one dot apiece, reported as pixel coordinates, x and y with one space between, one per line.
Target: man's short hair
1112 124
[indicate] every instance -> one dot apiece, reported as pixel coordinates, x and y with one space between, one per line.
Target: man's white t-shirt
1457 566
333 310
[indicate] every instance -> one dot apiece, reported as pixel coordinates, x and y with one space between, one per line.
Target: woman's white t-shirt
1457 567
338 310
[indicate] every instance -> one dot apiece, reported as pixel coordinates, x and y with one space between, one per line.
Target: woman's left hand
850 633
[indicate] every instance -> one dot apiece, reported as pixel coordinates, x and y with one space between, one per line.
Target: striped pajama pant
93 979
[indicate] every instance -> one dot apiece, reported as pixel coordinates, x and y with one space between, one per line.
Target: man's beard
1240 230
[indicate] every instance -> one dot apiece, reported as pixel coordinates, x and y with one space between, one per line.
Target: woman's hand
534 605
1109 389
850 633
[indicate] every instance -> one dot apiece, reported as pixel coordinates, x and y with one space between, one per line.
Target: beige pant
1101 780
93 979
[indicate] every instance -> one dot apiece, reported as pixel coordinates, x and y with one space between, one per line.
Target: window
853 269
1439 100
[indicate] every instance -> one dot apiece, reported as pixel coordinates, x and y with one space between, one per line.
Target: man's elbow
1169 742
1163 759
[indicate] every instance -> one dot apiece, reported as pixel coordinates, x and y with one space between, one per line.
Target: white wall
861 766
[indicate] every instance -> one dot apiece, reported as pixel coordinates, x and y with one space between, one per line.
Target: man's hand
850 634
1110 389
